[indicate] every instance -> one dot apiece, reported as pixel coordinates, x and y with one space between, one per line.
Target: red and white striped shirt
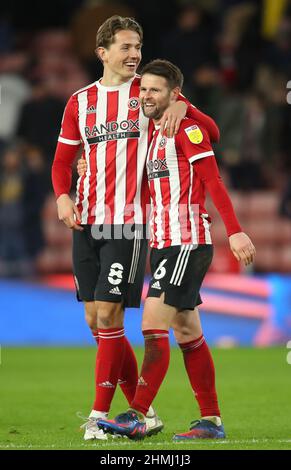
115 135
178 215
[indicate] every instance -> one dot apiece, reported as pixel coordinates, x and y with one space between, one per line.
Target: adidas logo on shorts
156 285
115 290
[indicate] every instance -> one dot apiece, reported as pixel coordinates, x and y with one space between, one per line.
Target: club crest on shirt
133 103
163 143
194 134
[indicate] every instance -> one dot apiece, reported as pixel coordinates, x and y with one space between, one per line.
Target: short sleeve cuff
69 141
200 155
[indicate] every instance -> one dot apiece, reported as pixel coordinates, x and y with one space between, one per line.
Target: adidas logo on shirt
115 290
106 384
91 110
156 285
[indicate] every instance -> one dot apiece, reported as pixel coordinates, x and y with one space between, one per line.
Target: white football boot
92 431
154 424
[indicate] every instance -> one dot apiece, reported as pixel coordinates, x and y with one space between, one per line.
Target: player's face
155 95
123 56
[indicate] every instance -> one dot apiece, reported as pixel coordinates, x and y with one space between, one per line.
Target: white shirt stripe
101 114
175 232
141 160
159 214
192 217
82 102
120 182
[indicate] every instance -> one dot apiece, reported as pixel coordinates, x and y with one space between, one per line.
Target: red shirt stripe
131 156
90 121
110 161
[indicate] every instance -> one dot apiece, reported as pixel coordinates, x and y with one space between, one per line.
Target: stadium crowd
236 59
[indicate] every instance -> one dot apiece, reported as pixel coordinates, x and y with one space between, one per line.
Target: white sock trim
214 419
151 412
98 414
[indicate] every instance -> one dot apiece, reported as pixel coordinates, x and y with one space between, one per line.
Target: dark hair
164 68
106 32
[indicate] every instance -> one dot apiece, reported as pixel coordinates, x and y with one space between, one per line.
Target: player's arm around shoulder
202 119
172 118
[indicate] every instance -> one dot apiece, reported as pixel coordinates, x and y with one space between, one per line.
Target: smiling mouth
149 105
131 64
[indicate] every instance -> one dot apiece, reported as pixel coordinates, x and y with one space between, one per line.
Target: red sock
154 368
201 372
129 370
108 364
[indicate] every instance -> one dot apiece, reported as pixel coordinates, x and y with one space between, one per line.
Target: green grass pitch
43 388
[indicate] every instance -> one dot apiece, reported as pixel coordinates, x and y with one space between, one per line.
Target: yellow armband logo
194 134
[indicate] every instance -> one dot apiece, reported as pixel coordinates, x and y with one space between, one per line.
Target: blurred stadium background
236 58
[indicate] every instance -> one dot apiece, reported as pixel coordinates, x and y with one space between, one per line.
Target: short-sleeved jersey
178 214
109 123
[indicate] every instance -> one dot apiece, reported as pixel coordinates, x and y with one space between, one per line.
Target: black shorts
107 267
178 271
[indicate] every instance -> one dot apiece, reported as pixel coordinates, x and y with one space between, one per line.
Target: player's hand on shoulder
242 247
81 166
68 212
172 118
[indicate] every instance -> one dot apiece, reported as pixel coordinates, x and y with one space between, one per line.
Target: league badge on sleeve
194 134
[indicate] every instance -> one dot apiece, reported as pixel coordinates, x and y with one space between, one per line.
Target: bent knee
109 314
183 334
91 315
186 332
